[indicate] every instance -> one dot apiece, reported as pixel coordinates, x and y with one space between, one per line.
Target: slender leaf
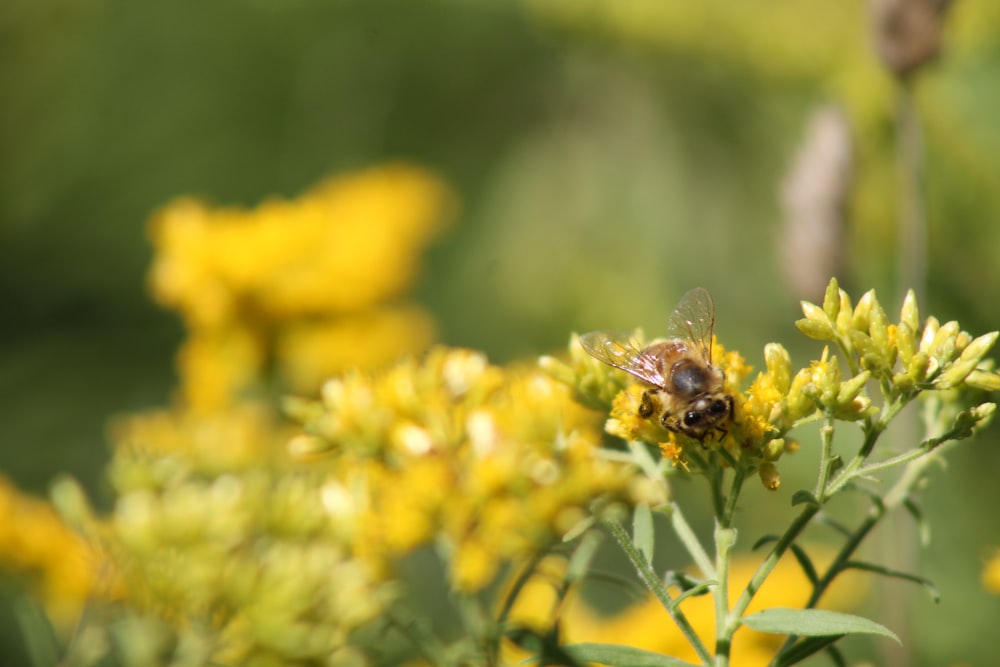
546 648
767 539
39 635
827 520
683 581
583 555
805 563
632 587
922 524
884 571
804 497
814 623
691 543
579 528
616 655
836 656
805 648
872 494
696 591
642 531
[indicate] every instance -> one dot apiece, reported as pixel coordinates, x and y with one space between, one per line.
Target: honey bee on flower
687 392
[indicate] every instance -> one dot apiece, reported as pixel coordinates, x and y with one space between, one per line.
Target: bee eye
691 418
719 407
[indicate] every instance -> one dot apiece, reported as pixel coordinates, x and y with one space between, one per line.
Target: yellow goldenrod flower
489 465
991 574
311 351
38 546
298 290
349 243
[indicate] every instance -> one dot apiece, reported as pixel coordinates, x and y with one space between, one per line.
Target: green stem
769 563
653 582
826 457
729 511
892 501
690 541
873 429
725 537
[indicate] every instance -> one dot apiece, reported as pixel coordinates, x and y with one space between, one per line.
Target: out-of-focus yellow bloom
489 465
311 351
647 625
244 435
294 291
241 566
991 575
351 242
37 545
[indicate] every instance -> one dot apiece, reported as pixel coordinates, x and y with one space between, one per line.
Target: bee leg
646 407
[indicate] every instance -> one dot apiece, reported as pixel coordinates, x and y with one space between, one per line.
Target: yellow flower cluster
243 567
991 574
488 465
258 288
903 359
37 546
761 415
646 625
229 551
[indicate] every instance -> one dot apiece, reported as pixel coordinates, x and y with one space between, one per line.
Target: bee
686 392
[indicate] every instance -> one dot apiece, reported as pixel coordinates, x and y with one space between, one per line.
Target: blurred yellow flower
991 574
297 290
310 351
489 465
36 545
351 242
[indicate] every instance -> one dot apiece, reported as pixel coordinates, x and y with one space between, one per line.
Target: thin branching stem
655 584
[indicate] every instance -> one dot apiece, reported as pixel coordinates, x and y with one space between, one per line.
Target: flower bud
862 312
779 366
909 314
832 299
769 475
851 388
906 342
983 380
971 356
816 324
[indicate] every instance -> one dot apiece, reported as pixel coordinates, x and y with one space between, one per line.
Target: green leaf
628 585
922 525
836 525
617 655
642 531
805 563
804 497
805 648
886 572
691 543
583 555
699 590
767 539
579 528
814 623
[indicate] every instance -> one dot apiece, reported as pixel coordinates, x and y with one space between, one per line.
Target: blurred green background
607 155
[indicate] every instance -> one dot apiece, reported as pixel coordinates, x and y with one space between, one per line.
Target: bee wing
619 349
693 320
